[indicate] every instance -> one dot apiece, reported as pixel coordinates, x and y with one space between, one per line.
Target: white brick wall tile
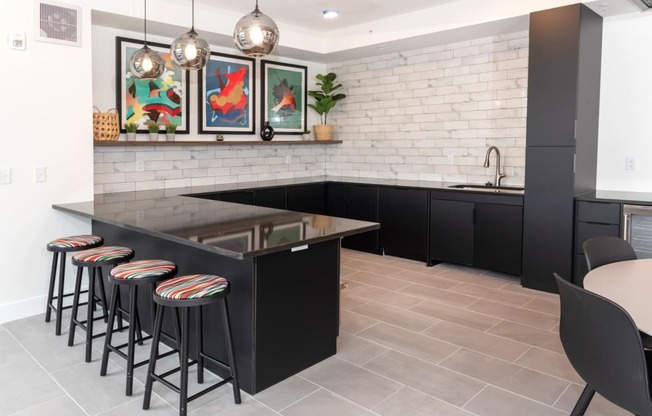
107 178
119 156
169 174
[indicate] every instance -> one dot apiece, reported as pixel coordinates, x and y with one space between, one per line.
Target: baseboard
22 309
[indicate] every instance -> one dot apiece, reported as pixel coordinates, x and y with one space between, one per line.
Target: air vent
57 23
644 5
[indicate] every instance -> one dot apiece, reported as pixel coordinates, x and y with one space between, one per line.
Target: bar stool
132 275
64 245
94 259
185 292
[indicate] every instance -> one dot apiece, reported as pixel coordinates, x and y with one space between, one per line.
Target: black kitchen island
283 267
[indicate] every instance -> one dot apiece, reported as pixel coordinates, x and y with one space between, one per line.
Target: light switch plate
40 174
5 175
16 41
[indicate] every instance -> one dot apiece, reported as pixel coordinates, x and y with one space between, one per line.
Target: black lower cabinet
307 198
403 215
477 234
336 199
239 197
451 231
498 238
271 197
362 204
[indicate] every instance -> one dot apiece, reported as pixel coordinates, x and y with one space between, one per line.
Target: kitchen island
283 267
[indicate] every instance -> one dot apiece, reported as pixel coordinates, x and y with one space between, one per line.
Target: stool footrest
161 378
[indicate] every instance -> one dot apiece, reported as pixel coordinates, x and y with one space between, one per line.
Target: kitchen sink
489 188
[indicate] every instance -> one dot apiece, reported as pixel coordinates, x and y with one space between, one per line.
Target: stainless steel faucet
499 175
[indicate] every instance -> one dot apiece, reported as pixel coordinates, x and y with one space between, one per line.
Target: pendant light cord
145 23
193 15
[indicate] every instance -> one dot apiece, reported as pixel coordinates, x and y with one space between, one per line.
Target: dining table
629 284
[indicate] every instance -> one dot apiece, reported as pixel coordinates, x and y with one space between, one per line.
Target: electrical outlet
5 175
39 174
630 163
140 165
288 159
450 159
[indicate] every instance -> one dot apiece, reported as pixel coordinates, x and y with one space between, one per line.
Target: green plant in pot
131 129
153 128
170 129
325 99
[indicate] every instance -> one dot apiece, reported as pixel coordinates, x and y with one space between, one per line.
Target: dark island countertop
229 229
626 197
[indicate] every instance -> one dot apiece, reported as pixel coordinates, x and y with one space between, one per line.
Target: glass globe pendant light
256 34
146 63
190 51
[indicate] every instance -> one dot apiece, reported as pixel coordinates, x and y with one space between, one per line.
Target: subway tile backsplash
425 114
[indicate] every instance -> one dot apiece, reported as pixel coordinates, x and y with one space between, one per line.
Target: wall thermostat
16 41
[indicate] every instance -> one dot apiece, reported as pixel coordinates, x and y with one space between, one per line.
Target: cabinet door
403 215
498 237
451 231
362 204
307 198
239 197
271 197
336 199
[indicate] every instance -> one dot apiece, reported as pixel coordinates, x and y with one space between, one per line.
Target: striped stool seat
74 243
94 259
193 286
181 294
133 275
64 245
107 256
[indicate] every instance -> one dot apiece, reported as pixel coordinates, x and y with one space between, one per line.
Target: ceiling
357 20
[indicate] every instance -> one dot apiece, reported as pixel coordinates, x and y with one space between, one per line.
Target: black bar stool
184 292
94 259
133 275
64 245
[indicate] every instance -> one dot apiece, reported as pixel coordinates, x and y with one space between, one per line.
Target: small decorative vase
323 131
267 133
169 137
153 137
131 136
306 136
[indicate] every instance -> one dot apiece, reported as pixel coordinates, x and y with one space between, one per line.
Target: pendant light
255 34
146 63
190 51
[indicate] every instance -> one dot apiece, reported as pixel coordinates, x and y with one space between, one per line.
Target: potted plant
170 129
131 129
325 99
306 134
153 128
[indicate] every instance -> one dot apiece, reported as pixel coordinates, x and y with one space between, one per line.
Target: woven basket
106 126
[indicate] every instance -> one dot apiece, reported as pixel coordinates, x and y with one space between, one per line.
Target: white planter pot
153 137
131 136
169 137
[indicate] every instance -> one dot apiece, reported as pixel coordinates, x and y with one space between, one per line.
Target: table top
629 284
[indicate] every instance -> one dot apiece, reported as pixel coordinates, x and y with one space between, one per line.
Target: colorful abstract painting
164 100
284 97
226 95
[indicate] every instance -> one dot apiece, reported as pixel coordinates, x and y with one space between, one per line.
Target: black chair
604 346
604 250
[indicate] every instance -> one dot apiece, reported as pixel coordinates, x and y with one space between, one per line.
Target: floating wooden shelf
214 143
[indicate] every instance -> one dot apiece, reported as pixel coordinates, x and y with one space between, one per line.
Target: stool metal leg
109 329
151 368
75 307
183 383
62 273
103 293
89 313
230 351
53 275
200 344
133 313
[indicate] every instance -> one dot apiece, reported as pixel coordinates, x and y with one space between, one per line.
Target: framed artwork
164 100
226 95
277 235
284 97
237 241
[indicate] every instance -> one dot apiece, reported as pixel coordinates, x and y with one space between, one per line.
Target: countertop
230 229
643 198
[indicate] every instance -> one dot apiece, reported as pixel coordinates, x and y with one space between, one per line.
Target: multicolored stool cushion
102 254
74 243
192 286
143 269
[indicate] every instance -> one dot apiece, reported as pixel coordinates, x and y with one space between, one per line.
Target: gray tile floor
444 340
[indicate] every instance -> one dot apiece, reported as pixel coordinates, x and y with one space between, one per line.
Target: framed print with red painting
284 97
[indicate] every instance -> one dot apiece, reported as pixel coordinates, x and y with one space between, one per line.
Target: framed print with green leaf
226 95
164 100
284 97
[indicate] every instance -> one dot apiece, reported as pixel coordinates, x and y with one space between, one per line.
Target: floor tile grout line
336 395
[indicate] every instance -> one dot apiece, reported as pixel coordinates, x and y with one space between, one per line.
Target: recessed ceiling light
330 14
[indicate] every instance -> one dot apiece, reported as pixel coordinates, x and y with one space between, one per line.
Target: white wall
46 121
626 104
